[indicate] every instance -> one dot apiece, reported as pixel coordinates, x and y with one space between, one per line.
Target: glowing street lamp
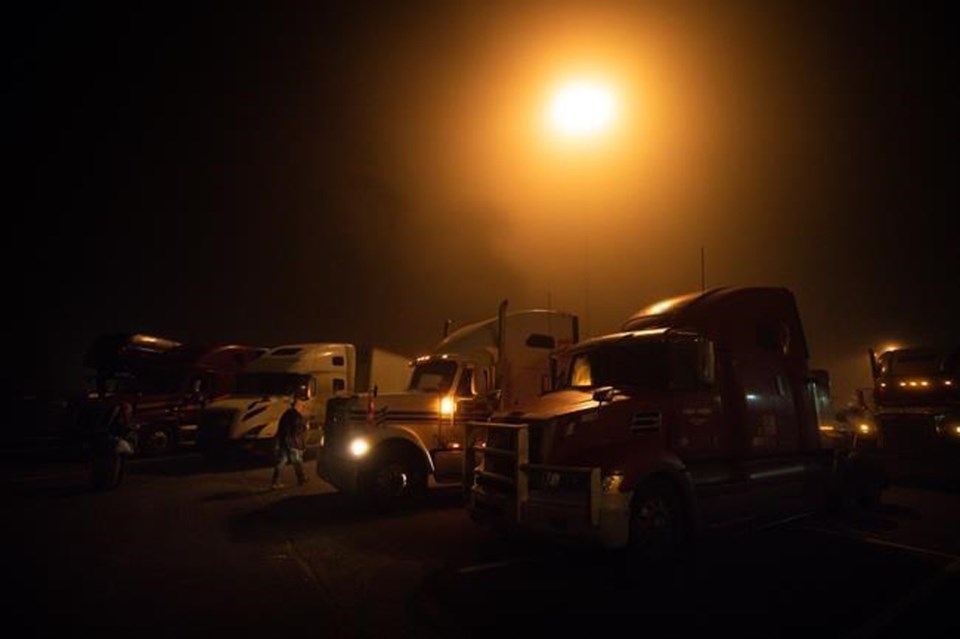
582 109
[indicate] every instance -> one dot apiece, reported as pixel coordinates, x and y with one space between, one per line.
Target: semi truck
245 420
392 447
166 382
916 411
700 415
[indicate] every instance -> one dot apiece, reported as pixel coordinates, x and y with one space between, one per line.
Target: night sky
362 172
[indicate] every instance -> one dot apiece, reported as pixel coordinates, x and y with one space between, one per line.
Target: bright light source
359 447
582 108
864 428
447 405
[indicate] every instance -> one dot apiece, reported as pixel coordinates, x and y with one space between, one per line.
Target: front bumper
543 513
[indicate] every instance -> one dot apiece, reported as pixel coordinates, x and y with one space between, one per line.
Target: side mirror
604 395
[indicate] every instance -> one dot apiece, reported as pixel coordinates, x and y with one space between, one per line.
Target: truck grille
908 434
503 451
337 422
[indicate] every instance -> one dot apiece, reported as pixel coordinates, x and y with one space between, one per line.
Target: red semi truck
167 383
700 415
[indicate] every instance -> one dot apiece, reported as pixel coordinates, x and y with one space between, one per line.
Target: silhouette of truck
167 383
916 413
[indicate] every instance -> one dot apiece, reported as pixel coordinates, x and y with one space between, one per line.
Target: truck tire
156 439
657 526
394 479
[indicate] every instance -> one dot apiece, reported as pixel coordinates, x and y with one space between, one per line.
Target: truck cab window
433 376
639 364
684 365
465 385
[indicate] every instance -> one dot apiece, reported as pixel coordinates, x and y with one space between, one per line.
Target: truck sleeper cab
699 416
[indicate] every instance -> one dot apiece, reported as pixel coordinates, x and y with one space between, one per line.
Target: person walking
290 444
113 442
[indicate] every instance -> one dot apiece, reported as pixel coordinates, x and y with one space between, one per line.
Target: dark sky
361 172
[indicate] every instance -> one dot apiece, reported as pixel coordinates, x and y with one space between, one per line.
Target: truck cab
916 394
699 415
246 420
165 381
393 446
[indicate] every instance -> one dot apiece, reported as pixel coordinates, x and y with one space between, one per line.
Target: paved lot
184 549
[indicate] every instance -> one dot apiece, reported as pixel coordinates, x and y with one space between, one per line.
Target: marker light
359 447
611 483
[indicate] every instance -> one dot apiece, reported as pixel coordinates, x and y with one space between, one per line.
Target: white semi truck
393 446
247 418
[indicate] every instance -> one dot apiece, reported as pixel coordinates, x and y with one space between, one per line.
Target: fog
365 172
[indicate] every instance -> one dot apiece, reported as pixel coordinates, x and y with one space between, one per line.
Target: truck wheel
156 440
657 527
394 480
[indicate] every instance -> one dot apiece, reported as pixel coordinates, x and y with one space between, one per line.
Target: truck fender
404 439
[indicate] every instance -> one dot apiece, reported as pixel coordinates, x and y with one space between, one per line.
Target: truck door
701 428
448 458
698 434
771 467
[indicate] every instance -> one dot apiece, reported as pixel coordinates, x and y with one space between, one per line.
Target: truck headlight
952 429
359 447
448 406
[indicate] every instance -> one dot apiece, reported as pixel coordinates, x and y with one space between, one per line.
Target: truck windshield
434 376
637 364
263 384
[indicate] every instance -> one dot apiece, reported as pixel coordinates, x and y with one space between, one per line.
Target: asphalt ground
183 548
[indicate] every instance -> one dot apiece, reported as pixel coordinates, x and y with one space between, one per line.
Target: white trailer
247 418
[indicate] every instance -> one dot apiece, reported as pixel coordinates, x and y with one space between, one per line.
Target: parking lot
186 549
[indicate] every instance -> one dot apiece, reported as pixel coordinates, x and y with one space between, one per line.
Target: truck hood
399 405
253 415
552 405
570 428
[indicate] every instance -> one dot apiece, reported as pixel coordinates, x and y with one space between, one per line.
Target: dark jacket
291 431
